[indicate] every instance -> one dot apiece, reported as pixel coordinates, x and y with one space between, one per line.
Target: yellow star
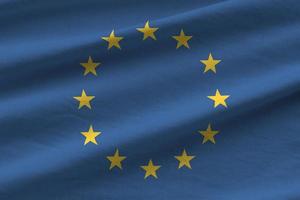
84 100
150 169
182 39
184 160
90 136
116 160
210 64
90 66
148 31
219 99
112 40
208 134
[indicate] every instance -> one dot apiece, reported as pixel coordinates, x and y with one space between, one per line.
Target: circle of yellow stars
150 168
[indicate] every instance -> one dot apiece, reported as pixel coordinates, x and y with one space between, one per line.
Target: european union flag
127 99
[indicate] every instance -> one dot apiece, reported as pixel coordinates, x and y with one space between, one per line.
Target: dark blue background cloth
151 99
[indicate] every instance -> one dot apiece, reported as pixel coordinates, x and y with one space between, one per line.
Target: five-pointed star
90 66
90 136
148 31
84 100
184 160
150 169
208 134
115 160
113 40
210 64
219 99
182 39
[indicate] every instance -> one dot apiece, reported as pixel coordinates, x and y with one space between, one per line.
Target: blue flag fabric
203 103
